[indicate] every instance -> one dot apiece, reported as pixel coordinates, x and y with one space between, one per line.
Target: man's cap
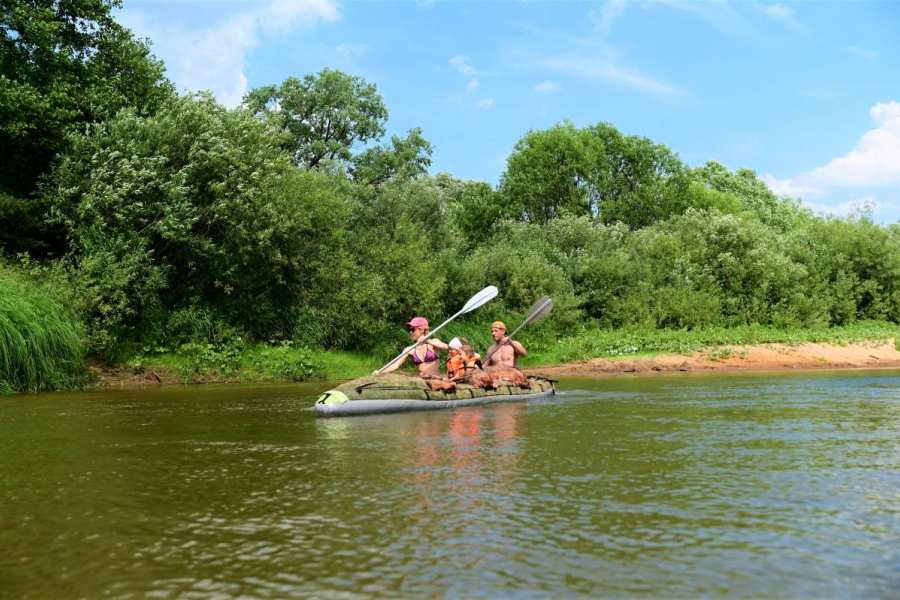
455 344
418 322
498 325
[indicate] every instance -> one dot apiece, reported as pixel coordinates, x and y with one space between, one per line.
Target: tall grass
40 341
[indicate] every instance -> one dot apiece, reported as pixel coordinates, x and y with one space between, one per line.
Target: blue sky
807 94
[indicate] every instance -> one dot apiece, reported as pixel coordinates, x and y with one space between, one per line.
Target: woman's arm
434 342
394 365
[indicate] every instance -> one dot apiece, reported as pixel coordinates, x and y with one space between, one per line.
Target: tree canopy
322 116
63 64
403 158
176 220
595 171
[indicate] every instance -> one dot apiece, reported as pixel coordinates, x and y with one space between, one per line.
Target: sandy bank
766 357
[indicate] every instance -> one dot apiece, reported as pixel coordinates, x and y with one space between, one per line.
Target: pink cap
418 322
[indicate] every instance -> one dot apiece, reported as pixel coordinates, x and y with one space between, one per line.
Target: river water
740 485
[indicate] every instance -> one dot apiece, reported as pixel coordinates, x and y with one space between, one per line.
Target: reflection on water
694 486
461 465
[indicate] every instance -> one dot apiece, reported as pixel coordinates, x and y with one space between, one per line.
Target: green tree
755 196
323 116
595 171
62 64
398 232
473 209
403 158
196 206
634 180
549 173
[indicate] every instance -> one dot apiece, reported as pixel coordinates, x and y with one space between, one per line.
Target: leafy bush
201 360
286 361
196 207
860 261
192 229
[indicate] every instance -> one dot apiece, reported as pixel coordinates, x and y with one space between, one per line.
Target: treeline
163 220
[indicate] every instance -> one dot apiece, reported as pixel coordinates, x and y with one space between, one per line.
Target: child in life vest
454 362
463 363
463 359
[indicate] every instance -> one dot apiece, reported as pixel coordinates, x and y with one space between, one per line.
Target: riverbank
762 357
171 370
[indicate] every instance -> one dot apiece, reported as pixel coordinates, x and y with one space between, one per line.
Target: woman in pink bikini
425 354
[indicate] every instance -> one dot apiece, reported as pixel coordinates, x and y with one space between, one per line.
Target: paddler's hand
504 341
422 339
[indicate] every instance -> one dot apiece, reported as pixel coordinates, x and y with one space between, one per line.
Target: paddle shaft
499 345
537 312
410 348
479 299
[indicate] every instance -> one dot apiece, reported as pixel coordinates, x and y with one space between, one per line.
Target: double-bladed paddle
479 299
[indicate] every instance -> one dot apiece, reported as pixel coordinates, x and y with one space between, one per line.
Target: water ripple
781 486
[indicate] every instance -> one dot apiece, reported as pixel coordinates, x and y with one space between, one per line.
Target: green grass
340 364
239 362
637 342
236 362
40 341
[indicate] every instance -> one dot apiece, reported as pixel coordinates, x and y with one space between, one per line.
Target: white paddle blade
480 299
539 310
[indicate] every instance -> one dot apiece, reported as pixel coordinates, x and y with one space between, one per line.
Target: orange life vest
457 367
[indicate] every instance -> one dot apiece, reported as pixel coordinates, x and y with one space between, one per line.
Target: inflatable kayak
398 393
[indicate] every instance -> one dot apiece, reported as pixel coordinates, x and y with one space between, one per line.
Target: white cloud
214 58
864 205
484 103
546 87
473 85
717 13
786 187
862 52
873 163
606 70
284 16
461 64
785 15
604 18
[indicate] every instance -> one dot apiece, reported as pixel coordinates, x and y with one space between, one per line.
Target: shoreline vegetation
173 238
864 345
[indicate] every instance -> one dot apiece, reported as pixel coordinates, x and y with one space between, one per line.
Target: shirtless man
509 350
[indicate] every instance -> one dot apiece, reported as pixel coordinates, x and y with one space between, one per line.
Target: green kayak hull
398 393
